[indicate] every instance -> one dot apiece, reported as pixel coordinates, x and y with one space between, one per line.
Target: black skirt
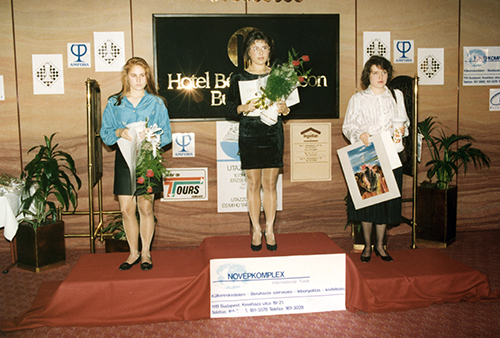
261 146
122 184
388 212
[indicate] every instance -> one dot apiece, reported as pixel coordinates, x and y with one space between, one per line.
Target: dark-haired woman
260 145
369 113
137 101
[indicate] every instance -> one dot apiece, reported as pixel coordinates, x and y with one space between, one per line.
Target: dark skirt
122 184
388 212
261 146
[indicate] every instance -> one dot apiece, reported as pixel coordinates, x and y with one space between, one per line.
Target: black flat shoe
146 266
384 258
271 247
256 247
128 266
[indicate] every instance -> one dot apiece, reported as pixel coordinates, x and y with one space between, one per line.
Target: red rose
296 63
305 58
150 173
140 180
301 79
150 190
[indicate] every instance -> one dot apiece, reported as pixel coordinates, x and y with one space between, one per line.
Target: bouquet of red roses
283 79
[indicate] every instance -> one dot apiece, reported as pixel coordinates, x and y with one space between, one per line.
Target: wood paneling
46 28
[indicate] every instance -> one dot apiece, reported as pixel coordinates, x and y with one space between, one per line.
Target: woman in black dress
261 145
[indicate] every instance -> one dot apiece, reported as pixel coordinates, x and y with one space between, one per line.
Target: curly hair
253 36
380 62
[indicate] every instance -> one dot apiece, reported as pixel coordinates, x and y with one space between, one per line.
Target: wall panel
43 27
479 190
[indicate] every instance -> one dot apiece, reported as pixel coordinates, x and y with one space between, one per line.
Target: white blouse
370 113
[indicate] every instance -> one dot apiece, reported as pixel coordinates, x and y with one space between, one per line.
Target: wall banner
481 66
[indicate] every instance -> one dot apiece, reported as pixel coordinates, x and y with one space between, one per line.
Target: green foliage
447 156
115 226
283 79
48 174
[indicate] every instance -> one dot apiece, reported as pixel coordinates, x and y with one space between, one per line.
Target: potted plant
114 236
437 198
115 239
48 180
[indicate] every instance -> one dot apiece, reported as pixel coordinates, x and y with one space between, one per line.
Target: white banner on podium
263 286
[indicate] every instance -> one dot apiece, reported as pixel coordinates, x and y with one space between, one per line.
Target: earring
268 63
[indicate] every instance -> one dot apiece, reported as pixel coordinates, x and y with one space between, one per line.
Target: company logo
183 186
310 134
430 66
229 143
183 141
109 51
78 50
226 270
376 47
476 58
48 74
403 47
228 274
495 100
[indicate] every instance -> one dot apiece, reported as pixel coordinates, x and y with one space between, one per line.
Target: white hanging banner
48 77
431 66
109 49
481 66
376 43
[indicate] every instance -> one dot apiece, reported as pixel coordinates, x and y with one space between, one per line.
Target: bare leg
367 235
147 227
254 177
130 225
270 197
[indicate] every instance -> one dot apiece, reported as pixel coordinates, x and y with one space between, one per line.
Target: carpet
96 293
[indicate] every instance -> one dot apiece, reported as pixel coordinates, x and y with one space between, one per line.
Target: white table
9 208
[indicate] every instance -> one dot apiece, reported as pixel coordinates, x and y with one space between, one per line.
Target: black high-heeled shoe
366 259
271 247
128 266
256 247
387 258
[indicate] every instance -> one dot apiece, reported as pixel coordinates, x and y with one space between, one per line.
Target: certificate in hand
251 90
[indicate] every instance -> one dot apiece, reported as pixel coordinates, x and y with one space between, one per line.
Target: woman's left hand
281 108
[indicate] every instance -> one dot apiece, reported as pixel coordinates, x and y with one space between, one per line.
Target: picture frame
368 172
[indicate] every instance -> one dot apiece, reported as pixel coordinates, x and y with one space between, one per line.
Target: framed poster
196 54
368 172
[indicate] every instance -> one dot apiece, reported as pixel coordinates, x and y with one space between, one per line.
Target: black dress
260 145
388 212
122 184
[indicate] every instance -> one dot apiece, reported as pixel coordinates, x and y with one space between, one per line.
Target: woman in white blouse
369 113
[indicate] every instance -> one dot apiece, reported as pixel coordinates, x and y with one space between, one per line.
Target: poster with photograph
368 173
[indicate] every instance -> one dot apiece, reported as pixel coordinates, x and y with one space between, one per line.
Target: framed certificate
368 172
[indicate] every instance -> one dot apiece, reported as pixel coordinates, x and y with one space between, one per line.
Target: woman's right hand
364 138
247 108
123 133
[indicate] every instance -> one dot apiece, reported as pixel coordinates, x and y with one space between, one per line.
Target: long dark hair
252 36
150 82
380 62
